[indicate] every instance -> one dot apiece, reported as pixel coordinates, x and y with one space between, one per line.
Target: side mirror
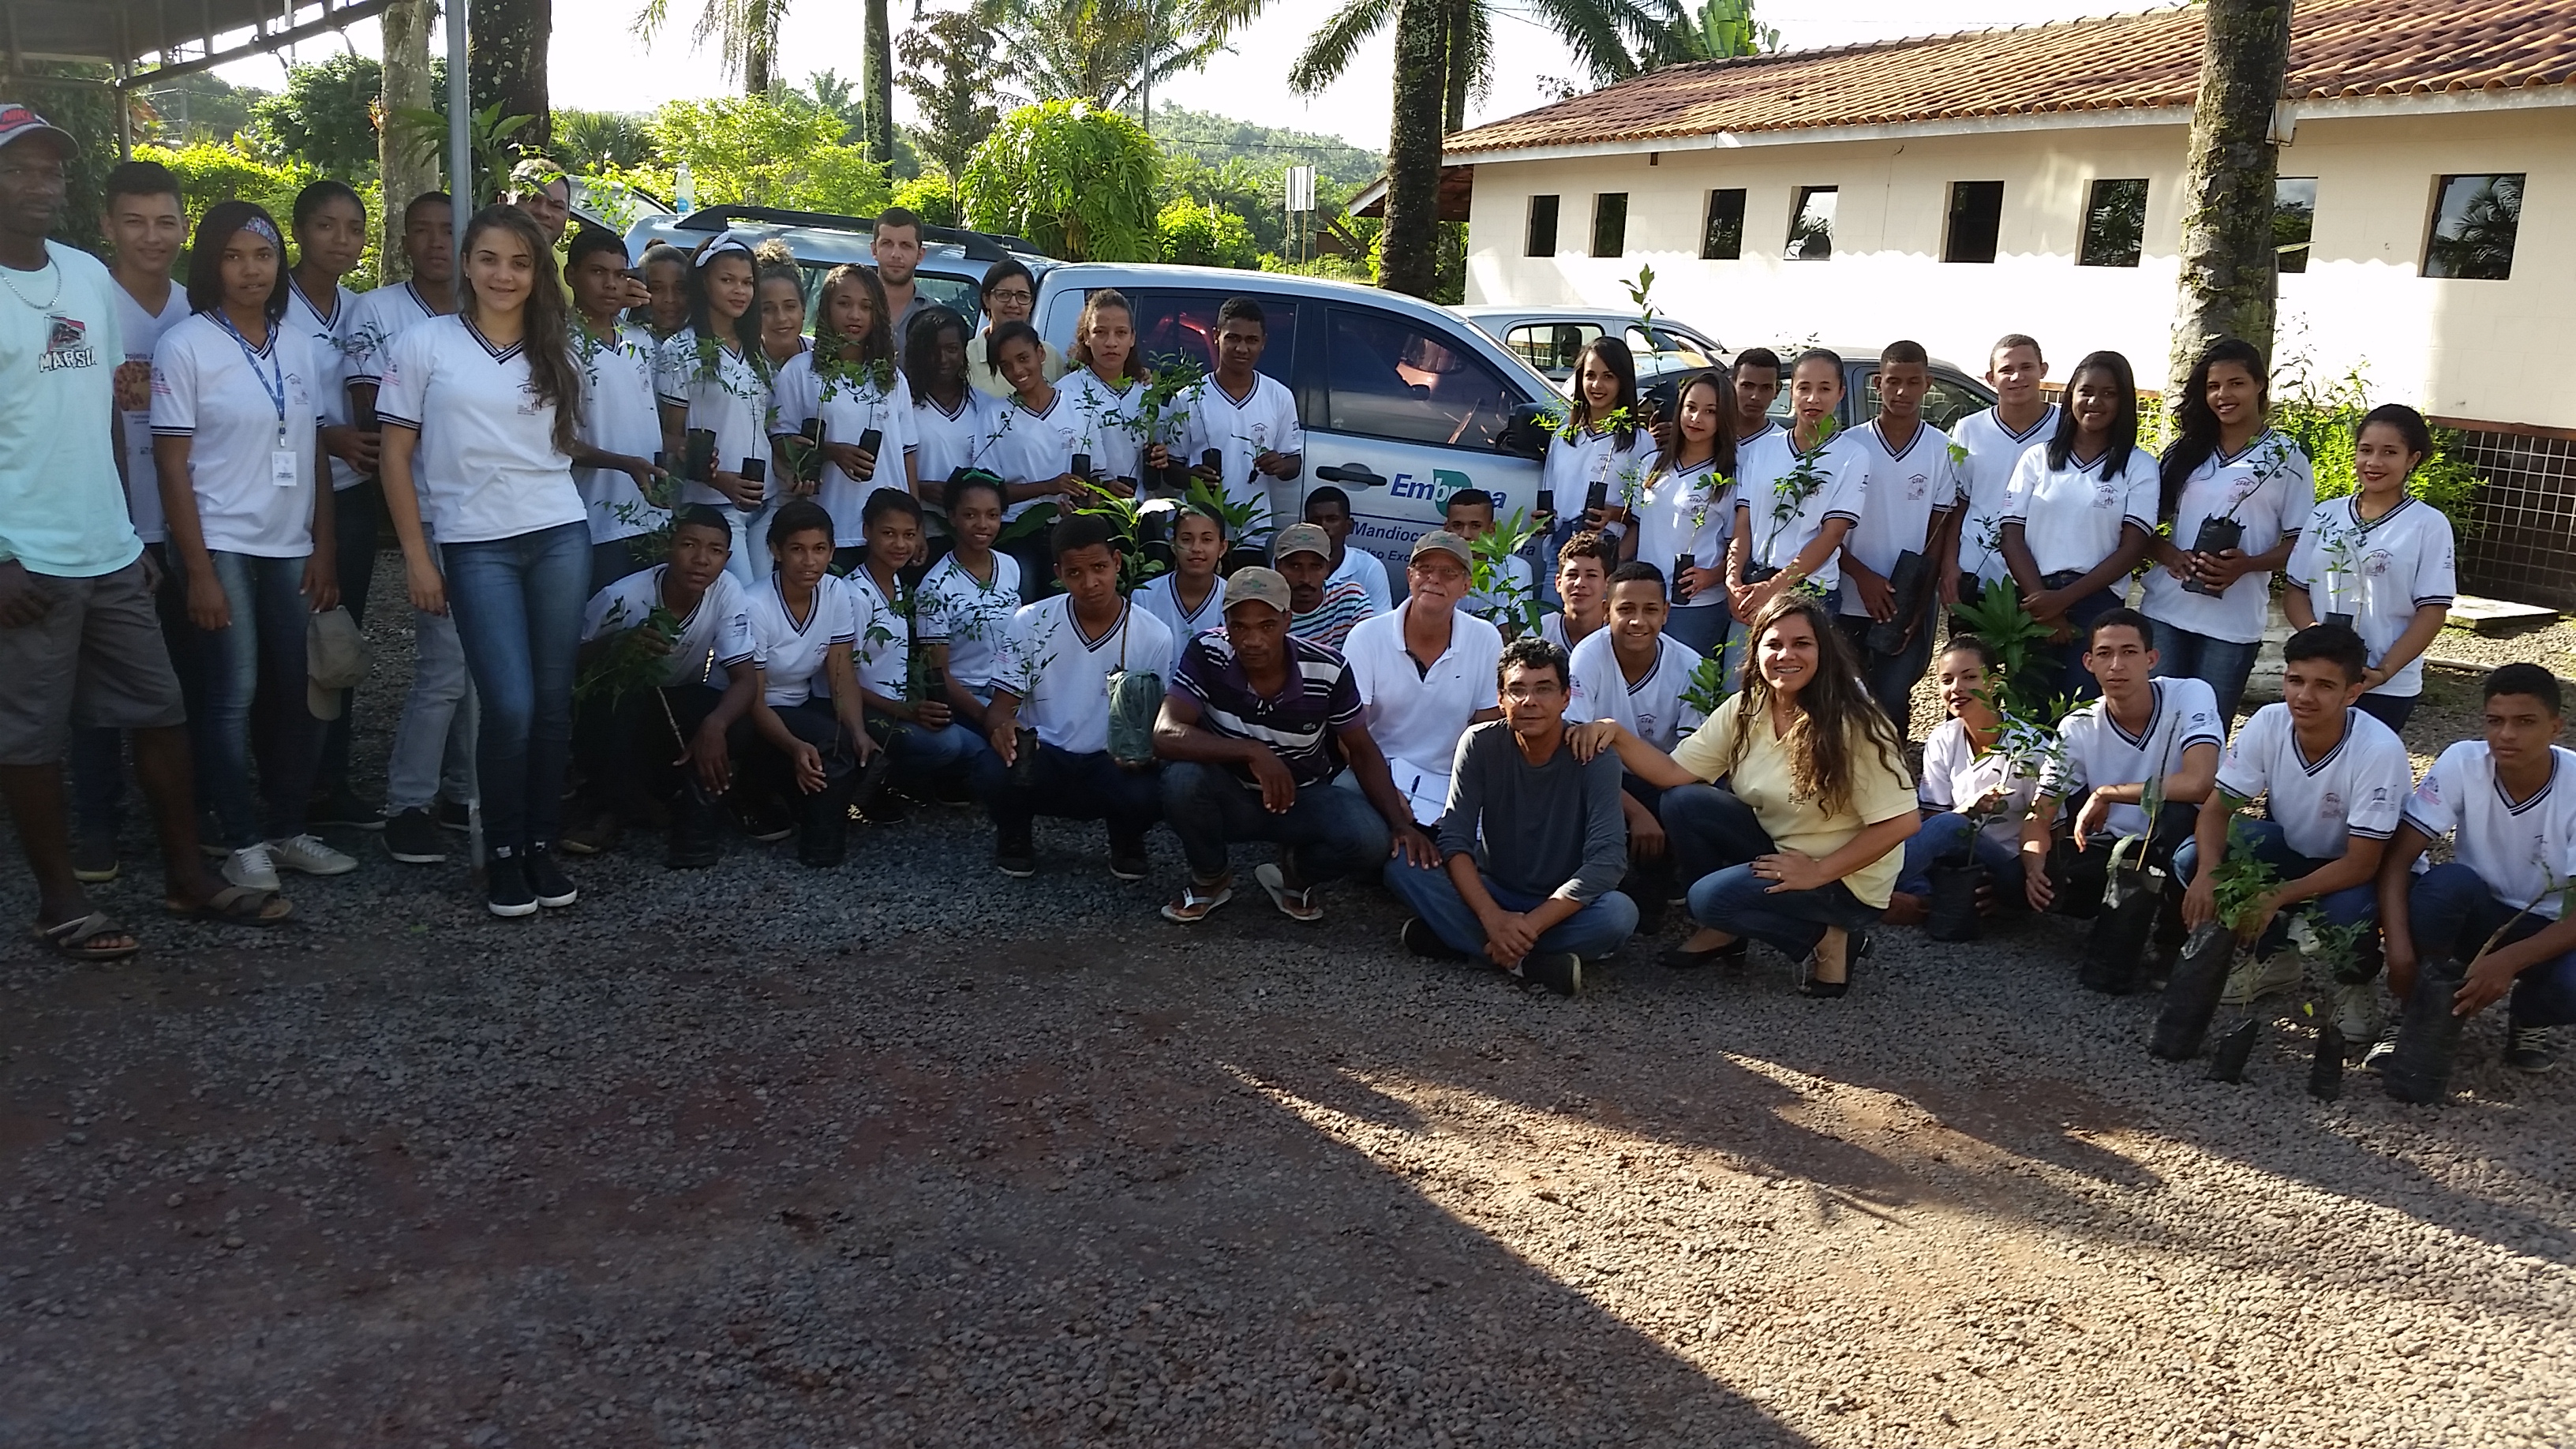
1524 436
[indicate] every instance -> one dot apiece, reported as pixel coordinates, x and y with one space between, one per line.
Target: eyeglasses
1013 295
1526 693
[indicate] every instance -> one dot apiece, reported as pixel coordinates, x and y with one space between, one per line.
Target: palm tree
1717 30
1109 52
2229 268
745 32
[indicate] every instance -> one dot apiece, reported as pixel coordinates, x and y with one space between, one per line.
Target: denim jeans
1704 628
1714 838
2451 913
1947 834
2073 679
1081 787
517 603
2223 664
252 679
97 756
1599 929
2392 710
433 749
1329 833
354 511
950 752
1890 678
2349 906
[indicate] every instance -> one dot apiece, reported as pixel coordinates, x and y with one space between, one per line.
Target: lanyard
272 382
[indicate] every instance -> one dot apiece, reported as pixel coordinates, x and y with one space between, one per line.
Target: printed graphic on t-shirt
67 344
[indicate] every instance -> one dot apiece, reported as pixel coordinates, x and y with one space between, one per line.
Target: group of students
800 577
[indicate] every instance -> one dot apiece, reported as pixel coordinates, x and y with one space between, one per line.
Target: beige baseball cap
335 659
1444 541
1257 585
1303 538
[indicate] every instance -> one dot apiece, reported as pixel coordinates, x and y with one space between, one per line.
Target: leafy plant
489 148
2241 881
1169 378
759 151
1511 604
1998 617
1641 288
2336 948
1805 479
626 663
1707 687
1190 234
1078 182
1240 518
1128 516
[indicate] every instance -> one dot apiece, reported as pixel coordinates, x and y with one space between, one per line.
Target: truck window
1392 379
1551 347
1183 325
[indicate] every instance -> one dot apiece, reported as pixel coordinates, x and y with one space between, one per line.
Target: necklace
45 305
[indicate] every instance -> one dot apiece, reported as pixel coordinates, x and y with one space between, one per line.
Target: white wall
2466 349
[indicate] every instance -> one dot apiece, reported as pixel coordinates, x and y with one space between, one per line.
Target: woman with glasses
1009 293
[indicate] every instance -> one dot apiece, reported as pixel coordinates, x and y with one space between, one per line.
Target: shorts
96 659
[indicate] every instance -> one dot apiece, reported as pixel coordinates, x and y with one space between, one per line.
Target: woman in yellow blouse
1799 846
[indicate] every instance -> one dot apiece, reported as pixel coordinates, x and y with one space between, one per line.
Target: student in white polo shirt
953 425
1057 659
1990 444
1634 672
712 377
2334 782
931 754
808 723
235 439
1425 673
1604 445
1689 511
1105 389
1908 489
2507 804
2079 514
1583 565
479 409
1248 419
1188 597
2141 728
620 428
2379 561
1038 433
847 386
973 591
1797 496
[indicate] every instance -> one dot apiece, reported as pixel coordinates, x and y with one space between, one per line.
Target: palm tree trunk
2229 269
407 172
506 51
1461 67
1410 260
879 77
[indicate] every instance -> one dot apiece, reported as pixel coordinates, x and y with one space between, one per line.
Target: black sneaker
412 838
505 888
1127 859
546 879
1421 940
453 816
1015 853
1558 971
2526 1049
343 807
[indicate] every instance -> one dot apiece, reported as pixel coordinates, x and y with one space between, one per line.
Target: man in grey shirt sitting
1533 843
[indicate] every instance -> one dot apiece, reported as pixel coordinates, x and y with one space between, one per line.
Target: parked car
1954 393
952 260
1550 338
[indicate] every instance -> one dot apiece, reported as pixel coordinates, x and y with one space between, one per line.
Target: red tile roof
2337 48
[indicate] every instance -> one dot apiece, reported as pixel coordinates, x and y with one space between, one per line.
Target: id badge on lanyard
282 468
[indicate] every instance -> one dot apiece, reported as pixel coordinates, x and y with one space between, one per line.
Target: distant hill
1215 139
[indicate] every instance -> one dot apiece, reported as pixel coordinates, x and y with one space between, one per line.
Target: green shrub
753 151
931 196
1204 236
1077 181
2322 419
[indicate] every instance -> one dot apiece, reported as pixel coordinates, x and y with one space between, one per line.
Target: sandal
1196 901
77 937
1296 905
236 906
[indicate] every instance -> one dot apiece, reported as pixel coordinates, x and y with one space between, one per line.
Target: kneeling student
2335 782
2507 803
805 622
933 756
1634 673
710 674
1974 800
1532 845
2141 728
1054 668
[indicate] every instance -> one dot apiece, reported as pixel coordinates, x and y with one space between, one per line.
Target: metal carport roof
152 39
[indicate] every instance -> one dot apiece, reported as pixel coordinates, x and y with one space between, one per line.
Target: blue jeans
1599 929
2073 679
1081 787
2450 912
1703 627
354 511
1329 833
1715 838
517 603
252 680
97 755
2223 664
2349 906
2392 710
915 753
1948 834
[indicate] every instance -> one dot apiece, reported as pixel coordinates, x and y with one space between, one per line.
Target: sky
598 64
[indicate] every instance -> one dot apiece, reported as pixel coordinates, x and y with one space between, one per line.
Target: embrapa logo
1443 482
66 345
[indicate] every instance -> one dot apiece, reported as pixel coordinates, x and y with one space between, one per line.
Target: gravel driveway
912 1154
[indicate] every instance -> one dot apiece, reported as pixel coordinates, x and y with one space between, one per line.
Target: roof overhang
1457 192
149 40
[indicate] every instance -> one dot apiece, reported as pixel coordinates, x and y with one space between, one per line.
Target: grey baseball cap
1257 585
1443 541
1303 538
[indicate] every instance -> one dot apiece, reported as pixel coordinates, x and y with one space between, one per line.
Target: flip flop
1195 904
236 906
1295 905
73 938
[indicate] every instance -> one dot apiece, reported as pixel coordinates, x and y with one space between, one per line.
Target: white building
1953 188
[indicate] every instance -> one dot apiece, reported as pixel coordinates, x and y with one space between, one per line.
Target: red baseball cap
17 123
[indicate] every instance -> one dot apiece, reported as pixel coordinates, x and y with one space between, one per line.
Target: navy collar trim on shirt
1237 403
2536 796
1052 404
1894 453
661 572
2227 460
813 607
412 290
326 319
2371 525
2047 416
1662 646
1107 634
965 400
2329 757
2155 716
497 354
1215 593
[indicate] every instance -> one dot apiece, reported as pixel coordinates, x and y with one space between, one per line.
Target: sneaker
343 807
546 878
2382 1048
250 868
1296 905
1127 859
2526 1049
309 855
2356 1010
1558 971
453 816
2251 980
1015 853
505 888
1421 940
94 859
412 837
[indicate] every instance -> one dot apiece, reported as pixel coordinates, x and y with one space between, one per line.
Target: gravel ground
769 1157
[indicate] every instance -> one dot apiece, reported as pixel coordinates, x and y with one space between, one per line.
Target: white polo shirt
1159 597
374 320
1263 421
1034 446
714 637
1067 671
486 466
618 415
239 407
2526 853
882 650
142 332
1954 774
1764 466
2071 517
792 653
1110 430
949 441
1366 569
723 390
2358 787
1417 714
1574 464
1651 707
2271 490
848 411
2099 752
971 616
2380 571
324 337
1985 484
1901 489
1689 509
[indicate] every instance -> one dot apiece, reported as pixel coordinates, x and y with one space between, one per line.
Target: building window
1609 223
2115 224
1723 241
1811 226
1976 216
1542 227
2294 218
2474 219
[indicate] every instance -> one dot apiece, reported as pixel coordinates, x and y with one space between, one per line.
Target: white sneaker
2253 980
251 869
2380 1050
2356 1011
311 855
